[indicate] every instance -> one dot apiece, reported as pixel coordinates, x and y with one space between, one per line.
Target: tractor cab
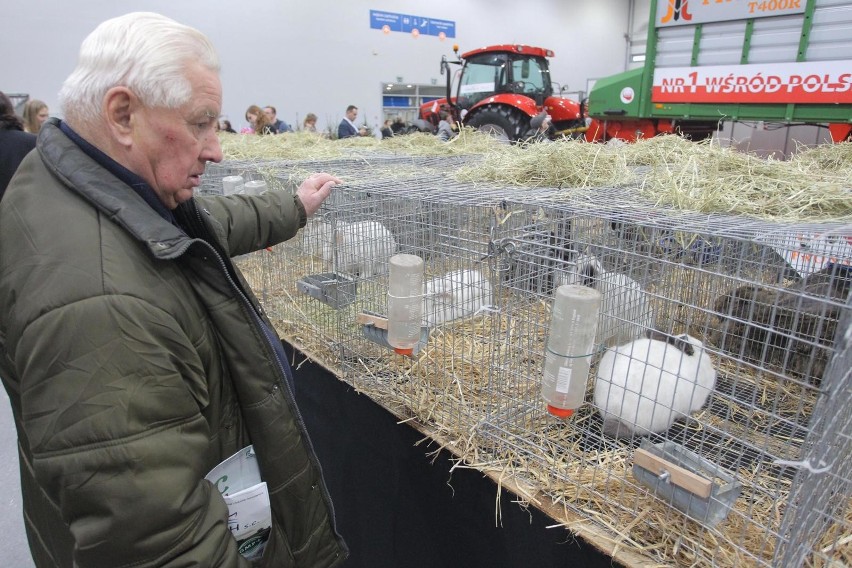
488 73
499 89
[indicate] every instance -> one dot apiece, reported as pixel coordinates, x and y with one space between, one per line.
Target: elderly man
134 354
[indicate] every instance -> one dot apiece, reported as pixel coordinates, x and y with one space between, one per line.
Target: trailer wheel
503 122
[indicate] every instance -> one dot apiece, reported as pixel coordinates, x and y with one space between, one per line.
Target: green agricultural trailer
710 61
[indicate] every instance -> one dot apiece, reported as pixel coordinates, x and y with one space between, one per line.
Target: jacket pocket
277 552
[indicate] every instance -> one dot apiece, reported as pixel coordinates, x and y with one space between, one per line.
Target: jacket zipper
258 322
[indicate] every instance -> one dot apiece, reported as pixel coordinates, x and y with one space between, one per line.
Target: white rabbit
645 385
625 309
455 295
361 248
315 232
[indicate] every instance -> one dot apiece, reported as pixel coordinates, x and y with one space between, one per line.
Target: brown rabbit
790 329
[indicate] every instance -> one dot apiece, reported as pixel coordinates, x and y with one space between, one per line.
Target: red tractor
499 90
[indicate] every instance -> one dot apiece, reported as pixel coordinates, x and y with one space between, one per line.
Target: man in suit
347 128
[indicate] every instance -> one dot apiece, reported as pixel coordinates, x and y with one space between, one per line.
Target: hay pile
670 171
674 172
816 184
310 146
563 164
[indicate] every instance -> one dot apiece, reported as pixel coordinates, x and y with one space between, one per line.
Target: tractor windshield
530 76
485 74
482 76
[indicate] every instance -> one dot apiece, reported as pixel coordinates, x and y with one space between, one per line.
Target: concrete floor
15 553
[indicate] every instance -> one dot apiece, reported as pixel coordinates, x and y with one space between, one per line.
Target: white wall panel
322 55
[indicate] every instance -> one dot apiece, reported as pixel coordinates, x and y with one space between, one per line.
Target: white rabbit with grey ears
645 385
626 311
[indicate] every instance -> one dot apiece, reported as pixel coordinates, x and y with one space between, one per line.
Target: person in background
259 121
541 128
35 114
14 142
310 123
347 127
398 125
386 129
272 115
225 126
445 129
134 354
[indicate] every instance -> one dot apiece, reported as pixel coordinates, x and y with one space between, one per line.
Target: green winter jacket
135 360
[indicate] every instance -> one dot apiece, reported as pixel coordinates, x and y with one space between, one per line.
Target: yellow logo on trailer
677 10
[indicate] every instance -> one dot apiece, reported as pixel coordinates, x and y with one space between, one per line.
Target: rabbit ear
589 273
588 268
682 343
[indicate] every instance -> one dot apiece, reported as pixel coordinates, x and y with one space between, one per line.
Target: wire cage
724 333
713 431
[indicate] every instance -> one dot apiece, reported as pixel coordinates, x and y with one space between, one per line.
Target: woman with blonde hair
259 121
35 113
310 123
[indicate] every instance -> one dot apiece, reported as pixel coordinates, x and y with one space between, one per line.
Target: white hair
146 52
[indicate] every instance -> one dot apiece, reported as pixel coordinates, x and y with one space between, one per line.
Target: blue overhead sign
408 23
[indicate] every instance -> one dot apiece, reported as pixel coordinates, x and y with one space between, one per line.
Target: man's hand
315 190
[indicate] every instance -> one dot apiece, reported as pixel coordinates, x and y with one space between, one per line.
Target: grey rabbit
790 329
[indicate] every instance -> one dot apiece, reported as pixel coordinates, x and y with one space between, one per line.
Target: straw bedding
471 367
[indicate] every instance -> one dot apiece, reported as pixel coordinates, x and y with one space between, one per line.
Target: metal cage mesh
771 434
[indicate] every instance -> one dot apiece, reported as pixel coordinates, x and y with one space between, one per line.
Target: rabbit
315 232
533 257
645 385
625 307
455 295
361 248
792 328
751 327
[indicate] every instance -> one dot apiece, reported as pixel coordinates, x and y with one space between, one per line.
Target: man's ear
121 107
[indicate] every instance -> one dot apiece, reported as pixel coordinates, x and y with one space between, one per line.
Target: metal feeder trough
375 329
694 485
330 288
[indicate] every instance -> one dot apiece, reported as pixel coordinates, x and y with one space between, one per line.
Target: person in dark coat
347 127
272 114
134 353
14 142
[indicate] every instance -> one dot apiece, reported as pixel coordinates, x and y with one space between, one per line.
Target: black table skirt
397 504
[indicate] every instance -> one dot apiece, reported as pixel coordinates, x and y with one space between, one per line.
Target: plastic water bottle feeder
375 328
694 485
329 288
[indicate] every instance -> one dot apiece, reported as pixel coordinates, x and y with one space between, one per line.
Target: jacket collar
136 182
108 193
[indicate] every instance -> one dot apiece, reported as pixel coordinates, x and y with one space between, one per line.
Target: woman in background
14 142
310 123
259 122
35 113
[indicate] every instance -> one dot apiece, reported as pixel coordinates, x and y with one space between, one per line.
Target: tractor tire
503 122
